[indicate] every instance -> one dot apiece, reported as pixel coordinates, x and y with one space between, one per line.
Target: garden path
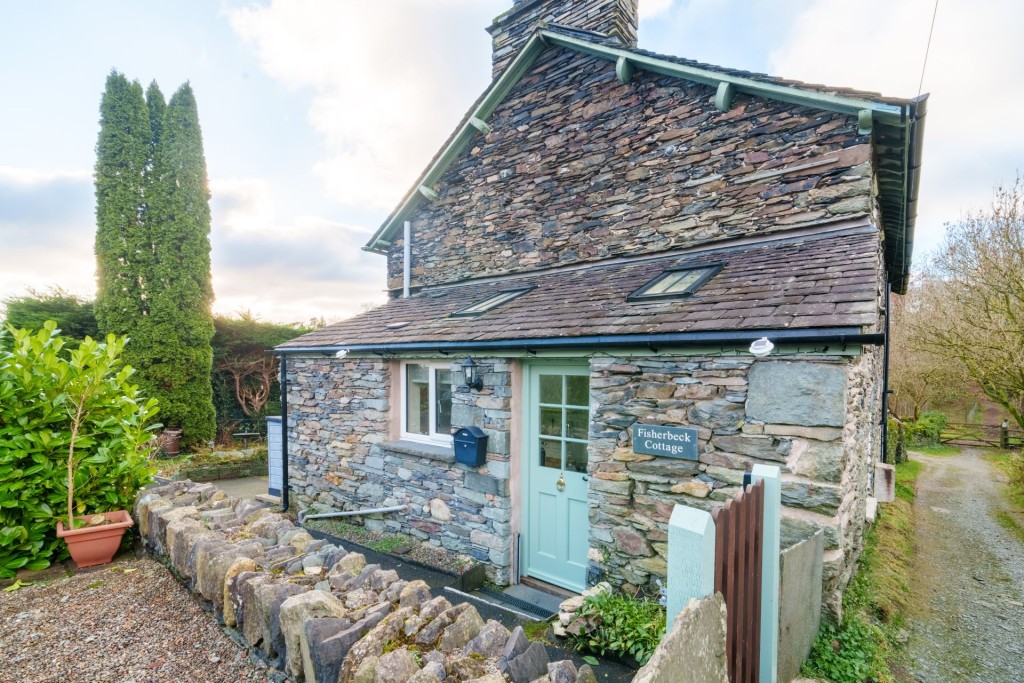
967 581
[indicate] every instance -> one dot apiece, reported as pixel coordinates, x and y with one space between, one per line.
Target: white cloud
290 269
652 8
977 91
387 80
24 177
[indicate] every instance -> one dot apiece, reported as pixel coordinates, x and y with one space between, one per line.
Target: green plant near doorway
620 625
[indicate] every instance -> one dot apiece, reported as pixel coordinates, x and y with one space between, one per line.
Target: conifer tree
121 156
180 290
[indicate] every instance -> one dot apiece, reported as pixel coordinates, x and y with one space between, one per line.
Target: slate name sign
668 442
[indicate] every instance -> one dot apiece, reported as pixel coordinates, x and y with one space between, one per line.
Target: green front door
556 425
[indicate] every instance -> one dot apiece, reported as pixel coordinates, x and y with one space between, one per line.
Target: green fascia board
883 112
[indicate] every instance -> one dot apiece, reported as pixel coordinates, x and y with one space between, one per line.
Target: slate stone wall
813 416
579 167
337 410
512 29
342 457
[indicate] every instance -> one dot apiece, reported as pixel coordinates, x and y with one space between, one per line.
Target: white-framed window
427 402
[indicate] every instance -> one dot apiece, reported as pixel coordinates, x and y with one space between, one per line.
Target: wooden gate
739 529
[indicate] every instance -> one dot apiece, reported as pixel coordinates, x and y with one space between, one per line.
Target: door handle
560 484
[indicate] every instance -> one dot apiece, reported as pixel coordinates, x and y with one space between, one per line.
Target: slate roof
805 281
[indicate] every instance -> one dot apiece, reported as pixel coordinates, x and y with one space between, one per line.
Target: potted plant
107 421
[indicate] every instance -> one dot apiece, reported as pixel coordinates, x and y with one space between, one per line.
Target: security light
762 347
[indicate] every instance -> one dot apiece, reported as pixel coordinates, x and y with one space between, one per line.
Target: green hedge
42 384
896 442
927 429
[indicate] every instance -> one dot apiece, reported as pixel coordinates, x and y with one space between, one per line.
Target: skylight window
675 284
492 302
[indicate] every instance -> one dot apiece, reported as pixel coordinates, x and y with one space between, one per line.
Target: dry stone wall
341 458
579 167
812 416
318 613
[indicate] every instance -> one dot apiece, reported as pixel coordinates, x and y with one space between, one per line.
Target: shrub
621 625
896 442
927 429
41 385
1015 470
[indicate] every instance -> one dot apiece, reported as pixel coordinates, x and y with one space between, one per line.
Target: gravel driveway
127 622
967 615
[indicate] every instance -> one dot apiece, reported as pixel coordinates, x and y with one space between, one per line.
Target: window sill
445 454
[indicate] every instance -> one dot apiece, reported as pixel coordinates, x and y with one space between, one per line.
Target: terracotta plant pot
94 545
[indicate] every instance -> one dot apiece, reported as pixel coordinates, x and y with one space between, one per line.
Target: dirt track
966 620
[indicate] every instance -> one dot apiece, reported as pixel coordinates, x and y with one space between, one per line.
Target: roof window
492 302
678 283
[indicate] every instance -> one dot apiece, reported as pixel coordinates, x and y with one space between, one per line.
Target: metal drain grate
517 603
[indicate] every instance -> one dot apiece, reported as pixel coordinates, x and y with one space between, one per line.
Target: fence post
769 570
1004 434
691 558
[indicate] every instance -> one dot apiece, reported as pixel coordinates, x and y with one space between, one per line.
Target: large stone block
797 393
267 611
800 572
693 650
819 460
295 612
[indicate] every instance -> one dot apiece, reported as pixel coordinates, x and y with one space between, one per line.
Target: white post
691 558
407 256
769 570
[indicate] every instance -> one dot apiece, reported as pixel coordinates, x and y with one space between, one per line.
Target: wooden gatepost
734 551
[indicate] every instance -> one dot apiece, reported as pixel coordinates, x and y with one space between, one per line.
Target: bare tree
921 377
976 305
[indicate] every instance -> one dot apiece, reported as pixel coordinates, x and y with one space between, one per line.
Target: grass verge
860 647
1011 516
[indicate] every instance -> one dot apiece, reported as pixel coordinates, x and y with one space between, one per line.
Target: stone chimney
511 30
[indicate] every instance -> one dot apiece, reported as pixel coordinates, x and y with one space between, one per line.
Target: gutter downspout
885 377
283 381
407 255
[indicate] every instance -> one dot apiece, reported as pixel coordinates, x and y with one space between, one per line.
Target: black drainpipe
283 381
885 378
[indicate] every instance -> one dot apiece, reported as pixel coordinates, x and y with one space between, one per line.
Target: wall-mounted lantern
472 373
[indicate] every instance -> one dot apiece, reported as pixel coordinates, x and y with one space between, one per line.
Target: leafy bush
927 429
621 625
42 385
1015 470
896 442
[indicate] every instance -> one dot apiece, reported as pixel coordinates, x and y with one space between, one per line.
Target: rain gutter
836 335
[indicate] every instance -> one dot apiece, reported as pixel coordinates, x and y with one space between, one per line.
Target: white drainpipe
407 246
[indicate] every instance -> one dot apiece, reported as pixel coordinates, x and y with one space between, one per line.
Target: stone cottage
585 263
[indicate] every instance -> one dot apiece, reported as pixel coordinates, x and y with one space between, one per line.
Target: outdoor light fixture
341 354
473 381
762 347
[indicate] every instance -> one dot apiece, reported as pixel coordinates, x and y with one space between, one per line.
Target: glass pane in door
576 456
551 453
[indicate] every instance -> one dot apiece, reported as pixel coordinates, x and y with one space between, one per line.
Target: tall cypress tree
180 290
122 151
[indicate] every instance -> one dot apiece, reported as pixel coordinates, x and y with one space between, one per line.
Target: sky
318 115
